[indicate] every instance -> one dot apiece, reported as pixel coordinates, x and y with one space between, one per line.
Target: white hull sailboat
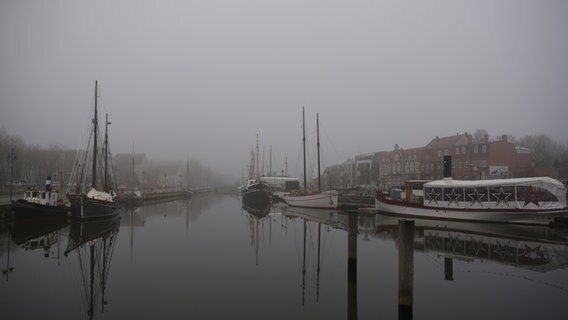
322 200
319 200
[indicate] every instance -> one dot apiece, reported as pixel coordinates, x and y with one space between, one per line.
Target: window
474 164
466 164
464 150
446 152
475 149
457 150
484 163
483 148
439 153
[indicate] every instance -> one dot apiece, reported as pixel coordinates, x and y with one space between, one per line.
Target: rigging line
329 142
83 277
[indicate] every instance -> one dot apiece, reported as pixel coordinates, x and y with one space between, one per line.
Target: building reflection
536 248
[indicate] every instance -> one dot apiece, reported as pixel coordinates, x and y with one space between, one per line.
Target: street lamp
12 157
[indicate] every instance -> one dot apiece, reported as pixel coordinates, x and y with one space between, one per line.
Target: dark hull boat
85 207
257 198
99 201
27 210
38 203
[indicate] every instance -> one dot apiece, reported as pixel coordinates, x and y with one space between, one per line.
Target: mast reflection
93 243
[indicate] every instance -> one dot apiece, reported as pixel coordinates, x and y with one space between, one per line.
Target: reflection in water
257 206
406 269
331 218
536 248
93 243
203 250
37 233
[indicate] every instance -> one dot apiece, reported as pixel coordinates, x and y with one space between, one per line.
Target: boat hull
24 209
83 207
322 200
409 209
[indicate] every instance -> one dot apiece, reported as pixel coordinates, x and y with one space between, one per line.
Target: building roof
448 142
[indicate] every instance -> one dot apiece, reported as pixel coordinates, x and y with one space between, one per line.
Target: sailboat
94 203
256 194
321 199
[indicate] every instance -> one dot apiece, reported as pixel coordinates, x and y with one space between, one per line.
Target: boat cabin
44 197
542 193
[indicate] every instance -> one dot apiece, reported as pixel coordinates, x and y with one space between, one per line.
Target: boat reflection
93 244
257 206
37 233
537 248
329 217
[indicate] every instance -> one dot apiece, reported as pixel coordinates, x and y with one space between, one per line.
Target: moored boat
38 203
535 200
320 200
257 196
94 203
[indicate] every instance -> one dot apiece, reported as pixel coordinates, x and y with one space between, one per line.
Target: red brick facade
471 160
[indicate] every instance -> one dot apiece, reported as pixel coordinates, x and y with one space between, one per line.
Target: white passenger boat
520 200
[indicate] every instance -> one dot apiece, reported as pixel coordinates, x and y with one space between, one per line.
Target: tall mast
304 143
132 171
257 159
95 133
187 174
106 186
318 145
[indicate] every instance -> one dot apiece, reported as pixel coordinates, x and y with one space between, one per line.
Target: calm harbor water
208 259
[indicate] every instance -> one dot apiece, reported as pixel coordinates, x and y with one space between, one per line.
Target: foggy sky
200 79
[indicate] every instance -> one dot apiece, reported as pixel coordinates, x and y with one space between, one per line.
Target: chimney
48 183
447 167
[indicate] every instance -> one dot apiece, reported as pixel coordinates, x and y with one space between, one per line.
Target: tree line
32 164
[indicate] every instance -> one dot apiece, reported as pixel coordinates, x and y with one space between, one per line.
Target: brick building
472 159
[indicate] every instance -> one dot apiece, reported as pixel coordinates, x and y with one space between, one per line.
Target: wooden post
352 266
448 269
405 268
